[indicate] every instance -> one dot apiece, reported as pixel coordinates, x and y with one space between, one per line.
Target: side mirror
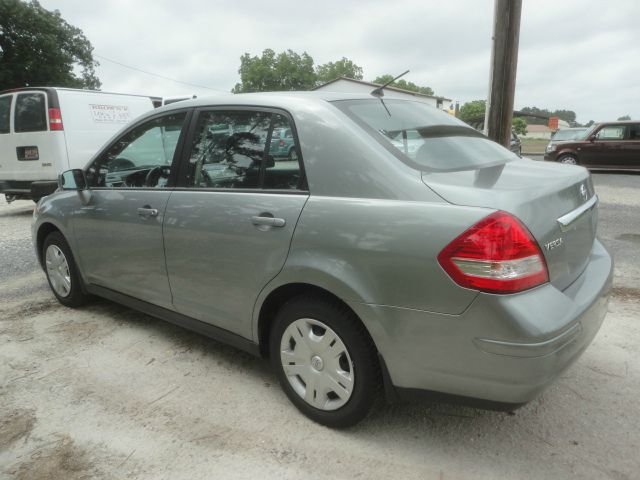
72 180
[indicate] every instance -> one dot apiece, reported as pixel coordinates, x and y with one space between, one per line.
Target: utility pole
504 62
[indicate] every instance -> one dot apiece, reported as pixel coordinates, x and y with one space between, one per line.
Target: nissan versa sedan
446 267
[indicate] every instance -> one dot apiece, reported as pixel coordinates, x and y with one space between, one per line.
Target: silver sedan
396 252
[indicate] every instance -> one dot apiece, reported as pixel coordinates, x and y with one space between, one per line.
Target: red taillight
55 119
496 255
281 143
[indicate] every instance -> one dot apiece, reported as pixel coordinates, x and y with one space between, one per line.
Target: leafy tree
589 123
624 117
270 72
566 115
403 84
41 48
519 126
342 68
473 109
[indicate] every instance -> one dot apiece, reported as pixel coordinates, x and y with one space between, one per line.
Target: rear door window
30 113
5 113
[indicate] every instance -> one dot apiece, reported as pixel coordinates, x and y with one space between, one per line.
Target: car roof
267 99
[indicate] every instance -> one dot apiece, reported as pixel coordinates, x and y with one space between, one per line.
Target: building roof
375 85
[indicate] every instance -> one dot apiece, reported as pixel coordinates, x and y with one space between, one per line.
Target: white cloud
578 55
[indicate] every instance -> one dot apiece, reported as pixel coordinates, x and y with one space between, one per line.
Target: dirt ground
104 392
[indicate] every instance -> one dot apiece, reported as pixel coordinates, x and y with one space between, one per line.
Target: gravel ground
106 392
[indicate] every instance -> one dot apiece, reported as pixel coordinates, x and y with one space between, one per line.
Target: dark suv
611 145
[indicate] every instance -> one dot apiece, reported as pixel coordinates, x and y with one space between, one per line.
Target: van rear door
30 151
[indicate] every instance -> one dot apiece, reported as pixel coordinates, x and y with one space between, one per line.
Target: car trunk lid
556 202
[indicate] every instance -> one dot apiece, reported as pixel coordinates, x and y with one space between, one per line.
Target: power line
157 75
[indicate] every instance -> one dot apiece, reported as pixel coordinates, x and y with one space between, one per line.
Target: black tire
293 154
76 297
367 380
568 159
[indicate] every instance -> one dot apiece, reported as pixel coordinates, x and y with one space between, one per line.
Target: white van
46 130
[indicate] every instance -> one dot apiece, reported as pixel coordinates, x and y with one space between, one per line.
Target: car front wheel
62 272
568 159
325 361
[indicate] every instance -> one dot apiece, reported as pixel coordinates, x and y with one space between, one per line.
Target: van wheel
62 272
568 159
293 155
325 361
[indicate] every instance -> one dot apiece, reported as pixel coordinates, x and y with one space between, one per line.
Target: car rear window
5 112
30 115
424 137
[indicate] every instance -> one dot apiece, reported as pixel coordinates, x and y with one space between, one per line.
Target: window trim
177 154
46 115
181 184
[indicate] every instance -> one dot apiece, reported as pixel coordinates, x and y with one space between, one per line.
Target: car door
118 230
228 228
604 147
631 147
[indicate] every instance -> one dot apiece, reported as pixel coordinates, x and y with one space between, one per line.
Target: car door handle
147 211
268 221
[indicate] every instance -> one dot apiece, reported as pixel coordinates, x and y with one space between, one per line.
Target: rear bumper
504 349
28 189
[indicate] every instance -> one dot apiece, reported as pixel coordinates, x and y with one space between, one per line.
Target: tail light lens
496 255
281 143
55 119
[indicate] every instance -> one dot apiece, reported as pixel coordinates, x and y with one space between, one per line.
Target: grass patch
533 145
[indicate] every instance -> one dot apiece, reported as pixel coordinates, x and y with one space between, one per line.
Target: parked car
282 144
44 131
609 145
515 144
358 269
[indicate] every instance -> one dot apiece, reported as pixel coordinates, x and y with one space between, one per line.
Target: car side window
634 132
142 157
30 113
5 113
228 149
613 132
282 170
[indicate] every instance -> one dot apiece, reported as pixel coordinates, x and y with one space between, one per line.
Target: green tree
519 126
624 117
589 123
342 68
275 72
403 84
40 48
473 109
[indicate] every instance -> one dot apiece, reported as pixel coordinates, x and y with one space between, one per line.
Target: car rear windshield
31 115
424 137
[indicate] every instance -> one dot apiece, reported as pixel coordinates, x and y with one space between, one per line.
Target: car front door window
142 157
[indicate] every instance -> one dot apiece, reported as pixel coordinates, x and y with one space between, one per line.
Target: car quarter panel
377 252
503 348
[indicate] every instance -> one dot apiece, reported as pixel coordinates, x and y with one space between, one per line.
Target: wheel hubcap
569 160
317 364
58 271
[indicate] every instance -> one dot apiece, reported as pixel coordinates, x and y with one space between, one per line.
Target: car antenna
378 93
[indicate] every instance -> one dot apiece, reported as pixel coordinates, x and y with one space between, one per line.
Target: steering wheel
155 174
120 163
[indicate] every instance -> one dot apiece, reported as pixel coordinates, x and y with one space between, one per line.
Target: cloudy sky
582 55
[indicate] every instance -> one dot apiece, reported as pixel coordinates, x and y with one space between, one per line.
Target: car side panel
378 252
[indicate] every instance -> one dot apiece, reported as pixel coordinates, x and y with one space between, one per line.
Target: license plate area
27 153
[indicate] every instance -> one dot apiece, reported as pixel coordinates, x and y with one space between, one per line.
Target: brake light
281 143
497 255
55 119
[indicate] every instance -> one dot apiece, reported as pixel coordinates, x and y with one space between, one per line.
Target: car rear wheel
61 270
293 155
568 159
325 361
